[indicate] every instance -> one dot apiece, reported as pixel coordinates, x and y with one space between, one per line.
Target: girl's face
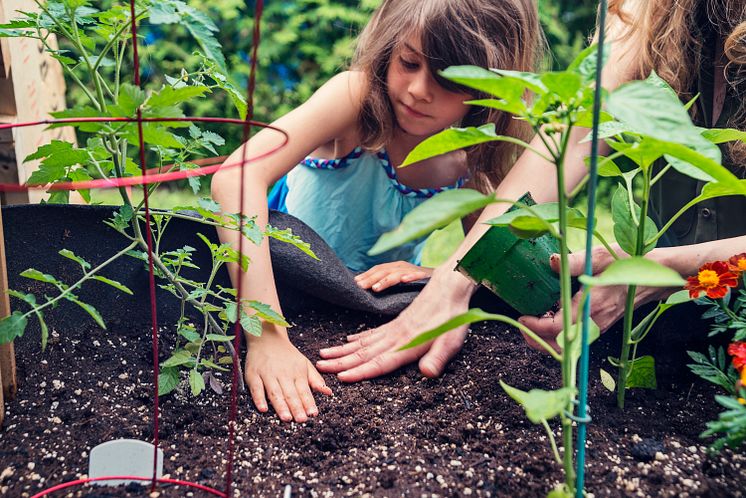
422 107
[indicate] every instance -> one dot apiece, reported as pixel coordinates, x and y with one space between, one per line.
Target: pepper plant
96 44
561 101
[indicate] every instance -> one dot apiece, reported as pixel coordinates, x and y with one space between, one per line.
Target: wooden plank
7 353
38 88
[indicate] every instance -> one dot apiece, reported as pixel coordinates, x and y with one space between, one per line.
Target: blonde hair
501 34
671 43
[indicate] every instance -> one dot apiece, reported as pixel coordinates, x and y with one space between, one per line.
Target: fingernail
313 413
376 286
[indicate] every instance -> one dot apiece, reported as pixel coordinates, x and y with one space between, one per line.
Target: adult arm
608 302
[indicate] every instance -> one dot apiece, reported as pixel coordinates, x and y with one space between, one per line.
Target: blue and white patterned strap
339 163
409 191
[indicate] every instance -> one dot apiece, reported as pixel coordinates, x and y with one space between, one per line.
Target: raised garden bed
401 435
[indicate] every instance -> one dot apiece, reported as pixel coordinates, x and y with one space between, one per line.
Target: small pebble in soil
646 449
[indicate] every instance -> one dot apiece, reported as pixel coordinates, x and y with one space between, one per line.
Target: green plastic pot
515 269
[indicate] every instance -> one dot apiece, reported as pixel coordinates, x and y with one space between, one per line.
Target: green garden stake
515 269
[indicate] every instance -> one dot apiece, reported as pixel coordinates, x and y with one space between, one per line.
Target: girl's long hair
501 34
670 41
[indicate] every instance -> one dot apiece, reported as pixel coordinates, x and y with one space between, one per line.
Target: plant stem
552 441
629 304
86 276
566 300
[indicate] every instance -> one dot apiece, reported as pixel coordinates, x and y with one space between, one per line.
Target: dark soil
401 435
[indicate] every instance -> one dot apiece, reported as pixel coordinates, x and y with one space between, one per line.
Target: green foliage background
304 43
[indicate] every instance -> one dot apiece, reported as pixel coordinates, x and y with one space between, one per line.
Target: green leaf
541 405
28 298
586 62
607 380
71 255
44 329
517 107
113 283
189 333
130 98
708 167
91 311
219 337
231 312
432 214
509 90
529 227
285 235
266 313
209 205
452 139
565 84
647 108
154 134
168 379
178 358
679 297
531 81
251 324
625 229
169 95
722 135
471 316
636 271
706 149
196 382
37 275
12 326
57 156
642 373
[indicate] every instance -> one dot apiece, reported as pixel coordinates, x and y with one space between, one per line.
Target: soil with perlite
400 435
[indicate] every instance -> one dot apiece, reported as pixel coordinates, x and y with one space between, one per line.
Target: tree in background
304 43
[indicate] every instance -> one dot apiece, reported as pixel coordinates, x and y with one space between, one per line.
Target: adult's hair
669 36
501 34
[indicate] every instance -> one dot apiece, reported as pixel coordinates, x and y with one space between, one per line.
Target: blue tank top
350 202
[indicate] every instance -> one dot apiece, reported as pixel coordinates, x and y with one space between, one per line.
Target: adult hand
275 369
385 275
375 352
607 303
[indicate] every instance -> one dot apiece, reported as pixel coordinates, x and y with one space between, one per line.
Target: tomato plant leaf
12 326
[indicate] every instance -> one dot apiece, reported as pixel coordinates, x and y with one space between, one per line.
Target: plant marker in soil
123 457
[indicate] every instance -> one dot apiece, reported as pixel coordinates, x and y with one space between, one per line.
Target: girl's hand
376 352
383 276
275 369
607 303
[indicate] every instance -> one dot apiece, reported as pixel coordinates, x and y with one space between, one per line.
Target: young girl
345 143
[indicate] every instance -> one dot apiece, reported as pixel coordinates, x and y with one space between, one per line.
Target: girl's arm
275 369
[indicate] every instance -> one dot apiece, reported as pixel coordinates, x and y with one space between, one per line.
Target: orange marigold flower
738 351
714 279
737 263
